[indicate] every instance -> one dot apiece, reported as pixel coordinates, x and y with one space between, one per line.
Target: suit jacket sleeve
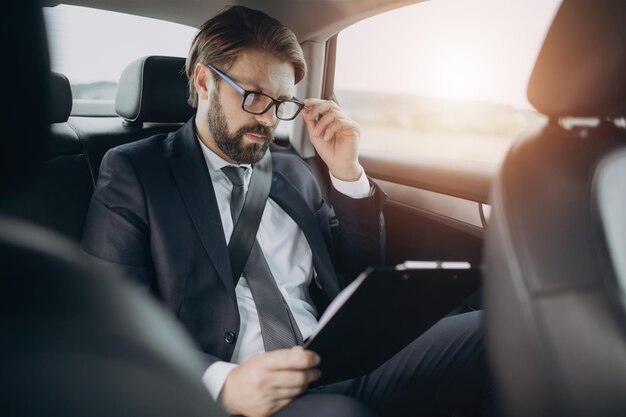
358 231
116 233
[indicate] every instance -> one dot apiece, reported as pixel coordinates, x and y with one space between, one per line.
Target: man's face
243 137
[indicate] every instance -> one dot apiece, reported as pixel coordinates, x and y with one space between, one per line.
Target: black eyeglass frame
245 93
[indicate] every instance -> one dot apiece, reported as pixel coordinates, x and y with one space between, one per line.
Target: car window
92 47
443 78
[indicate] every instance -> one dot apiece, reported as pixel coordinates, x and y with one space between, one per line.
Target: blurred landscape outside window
443 78
92 47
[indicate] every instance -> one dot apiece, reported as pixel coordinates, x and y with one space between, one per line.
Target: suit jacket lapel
195 185
290 200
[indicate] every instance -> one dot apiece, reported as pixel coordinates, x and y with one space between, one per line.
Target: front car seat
555 256
76 342
73 341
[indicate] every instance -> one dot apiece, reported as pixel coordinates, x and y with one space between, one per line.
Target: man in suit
165 208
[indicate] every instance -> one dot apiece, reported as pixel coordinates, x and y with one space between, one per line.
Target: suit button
230 337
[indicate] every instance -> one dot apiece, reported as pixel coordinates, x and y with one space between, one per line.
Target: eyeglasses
258 103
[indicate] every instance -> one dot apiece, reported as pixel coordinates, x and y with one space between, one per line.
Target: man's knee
327 405
464 329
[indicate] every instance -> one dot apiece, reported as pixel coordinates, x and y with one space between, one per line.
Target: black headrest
154 89
60 98
581 69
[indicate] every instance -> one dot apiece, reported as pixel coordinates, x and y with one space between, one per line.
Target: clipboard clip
432 265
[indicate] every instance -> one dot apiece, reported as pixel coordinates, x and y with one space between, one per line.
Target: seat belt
244 232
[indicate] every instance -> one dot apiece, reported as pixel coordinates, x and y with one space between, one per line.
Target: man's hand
335 137
267 382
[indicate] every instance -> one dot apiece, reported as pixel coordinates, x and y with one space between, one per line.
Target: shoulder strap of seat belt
244 232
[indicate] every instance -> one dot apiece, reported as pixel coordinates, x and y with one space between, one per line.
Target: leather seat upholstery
74 341
55 190
78 342
555 255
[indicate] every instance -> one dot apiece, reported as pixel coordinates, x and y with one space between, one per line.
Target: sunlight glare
457 76
450 49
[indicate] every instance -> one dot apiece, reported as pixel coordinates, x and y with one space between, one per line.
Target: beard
232 145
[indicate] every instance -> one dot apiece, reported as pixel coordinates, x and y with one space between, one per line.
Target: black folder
383 310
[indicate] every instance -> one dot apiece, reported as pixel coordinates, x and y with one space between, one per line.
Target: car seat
555 254
74 341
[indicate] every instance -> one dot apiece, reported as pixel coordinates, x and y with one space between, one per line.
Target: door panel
470 180
434 208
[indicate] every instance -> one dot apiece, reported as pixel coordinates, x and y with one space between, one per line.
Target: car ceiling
311 20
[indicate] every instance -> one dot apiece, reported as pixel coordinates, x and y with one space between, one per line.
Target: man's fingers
337 125
333 129
268 381
324 122
316 108
288 393
309 119
285 359
321 106
294 379
325 119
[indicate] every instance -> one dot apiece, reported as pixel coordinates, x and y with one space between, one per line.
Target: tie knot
234 174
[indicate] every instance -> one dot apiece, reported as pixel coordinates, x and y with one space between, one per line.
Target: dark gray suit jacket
154 218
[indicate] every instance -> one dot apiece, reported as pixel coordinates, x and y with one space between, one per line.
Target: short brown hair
234 30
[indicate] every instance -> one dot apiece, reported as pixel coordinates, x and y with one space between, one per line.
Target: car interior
547 223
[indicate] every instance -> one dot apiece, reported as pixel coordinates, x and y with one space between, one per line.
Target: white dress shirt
288 255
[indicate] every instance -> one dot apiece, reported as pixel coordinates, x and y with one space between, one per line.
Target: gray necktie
279 329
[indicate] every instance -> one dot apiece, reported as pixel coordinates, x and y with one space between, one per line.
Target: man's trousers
441 373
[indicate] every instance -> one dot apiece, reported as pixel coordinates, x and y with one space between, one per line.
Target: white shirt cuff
215 377
354 189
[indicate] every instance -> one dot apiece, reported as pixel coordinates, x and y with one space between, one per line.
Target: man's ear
202 81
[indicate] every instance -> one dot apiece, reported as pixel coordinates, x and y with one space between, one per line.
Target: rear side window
92 47
443 78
